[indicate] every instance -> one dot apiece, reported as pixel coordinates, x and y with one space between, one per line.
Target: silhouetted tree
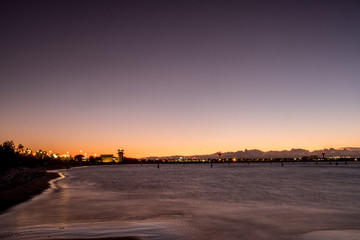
8 157
20 148
78 157
8 146
92 159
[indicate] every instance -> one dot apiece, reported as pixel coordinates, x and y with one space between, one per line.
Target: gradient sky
179 77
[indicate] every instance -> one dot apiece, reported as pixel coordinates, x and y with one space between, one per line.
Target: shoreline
20 185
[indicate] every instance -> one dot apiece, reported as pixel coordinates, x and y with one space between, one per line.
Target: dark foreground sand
110 238
19 185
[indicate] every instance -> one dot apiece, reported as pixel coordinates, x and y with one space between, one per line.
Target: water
236 201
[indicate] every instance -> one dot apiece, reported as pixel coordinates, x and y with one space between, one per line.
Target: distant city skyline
179 77
354 152
258 154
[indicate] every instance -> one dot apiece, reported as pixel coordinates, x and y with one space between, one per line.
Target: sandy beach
110 238
19 185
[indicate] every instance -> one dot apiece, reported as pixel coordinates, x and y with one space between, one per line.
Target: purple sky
179 77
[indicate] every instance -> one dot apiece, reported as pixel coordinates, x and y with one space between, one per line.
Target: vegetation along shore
24 174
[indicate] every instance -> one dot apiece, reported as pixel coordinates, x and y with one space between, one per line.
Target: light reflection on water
236 201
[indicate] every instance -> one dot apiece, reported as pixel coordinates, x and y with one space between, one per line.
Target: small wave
332 235
99 230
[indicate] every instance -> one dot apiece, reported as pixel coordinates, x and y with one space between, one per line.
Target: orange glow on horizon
159 151
142 139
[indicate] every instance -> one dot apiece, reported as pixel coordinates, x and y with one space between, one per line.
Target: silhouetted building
314 157
107 157
121 156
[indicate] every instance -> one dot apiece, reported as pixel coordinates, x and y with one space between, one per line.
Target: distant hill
293 153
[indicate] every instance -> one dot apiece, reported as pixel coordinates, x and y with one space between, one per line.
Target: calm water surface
236 201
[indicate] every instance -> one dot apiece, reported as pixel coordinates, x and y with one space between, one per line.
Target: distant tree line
12 157
19 157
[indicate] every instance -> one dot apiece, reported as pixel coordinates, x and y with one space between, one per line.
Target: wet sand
110 238
20 185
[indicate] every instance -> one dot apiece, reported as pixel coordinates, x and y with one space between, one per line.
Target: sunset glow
165 79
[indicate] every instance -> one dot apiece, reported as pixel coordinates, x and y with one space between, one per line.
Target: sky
182 77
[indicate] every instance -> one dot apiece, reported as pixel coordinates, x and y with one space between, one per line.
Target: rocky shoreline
21 184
